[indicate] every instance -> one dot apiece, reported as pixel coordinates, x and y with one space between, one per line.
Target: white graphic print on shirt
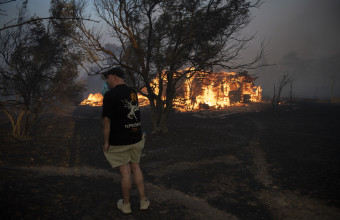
133 108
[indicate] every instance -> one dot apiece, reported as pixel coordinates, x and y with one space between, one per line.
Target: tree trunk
291 94
159 122
278 99
159 117
16 125
274 97
160 107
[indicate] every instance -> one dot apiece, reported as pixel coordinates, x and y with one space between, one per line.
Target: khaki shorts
122 154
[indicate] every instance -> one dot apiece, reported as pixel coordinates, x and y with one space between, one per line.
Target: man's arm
106 131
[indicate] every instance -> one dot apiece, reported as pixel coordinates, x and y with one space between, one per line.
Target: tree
33 19
38 68
163 42
285 80
2 12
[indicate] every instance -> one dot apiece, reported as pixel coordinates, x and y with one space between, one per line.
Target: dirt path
209 166
198 208
284 204
75 158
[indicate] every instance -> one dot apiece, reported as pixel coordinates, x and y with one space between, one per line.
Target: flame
214 91
200 91
93 100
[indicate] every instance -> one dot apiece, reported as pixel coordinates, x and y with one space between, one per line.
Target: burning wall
213 91
218 90
93 100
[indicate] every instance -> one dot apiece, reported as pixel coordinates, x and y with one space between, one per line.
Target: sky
301 38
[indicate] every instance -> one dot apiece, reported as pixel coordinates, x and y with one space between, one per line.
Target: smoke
313 78
94 84
303 42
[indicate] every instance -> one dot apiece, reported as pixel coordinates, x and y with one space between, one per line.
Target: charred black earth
240 163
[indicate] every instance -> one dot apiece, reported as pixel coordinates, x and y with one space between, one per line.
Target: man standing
123 138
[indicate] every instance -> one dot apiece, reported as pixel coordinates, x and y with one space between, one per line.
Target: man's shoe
125 208
144 205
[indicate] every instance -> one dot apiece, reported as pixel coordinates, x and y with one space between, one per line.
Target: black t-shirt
120 105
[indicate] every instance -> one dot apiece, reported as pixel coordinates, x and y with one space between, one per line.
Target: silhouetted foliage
285 80
38 69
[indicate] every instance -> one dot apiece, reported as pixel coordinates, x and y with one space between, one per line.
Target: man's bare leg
139 180
125 171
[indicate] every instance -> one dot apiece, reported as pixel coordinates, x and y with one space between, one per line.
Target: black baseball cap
114 71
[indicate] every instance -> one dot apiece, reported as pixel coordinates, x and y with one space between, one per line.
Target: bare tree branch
41 19
158 40
6 1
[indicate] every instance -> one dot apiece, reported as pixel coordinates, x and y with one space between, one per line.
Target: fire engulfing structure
93 100
214 91
204 91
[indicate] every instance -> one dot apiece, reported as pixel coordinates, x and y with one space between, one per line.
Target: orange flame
214 91
93 100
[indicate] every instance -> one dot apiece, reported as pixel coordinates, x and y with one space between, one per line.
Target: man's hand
106 147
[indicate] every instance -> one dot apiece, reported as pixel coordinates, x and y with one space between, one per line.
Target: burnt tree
162 42
285 80
38 69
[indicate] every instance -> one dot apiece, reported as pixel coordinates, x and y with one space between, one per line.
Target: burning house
217 91
205 91
213 91
93 100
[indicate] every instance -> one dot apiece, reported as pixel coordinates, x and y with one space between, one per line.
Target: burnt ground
244 163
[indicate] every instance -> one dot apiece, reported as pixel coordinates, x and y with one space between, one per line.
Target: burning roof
93 100
214 91
202 91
